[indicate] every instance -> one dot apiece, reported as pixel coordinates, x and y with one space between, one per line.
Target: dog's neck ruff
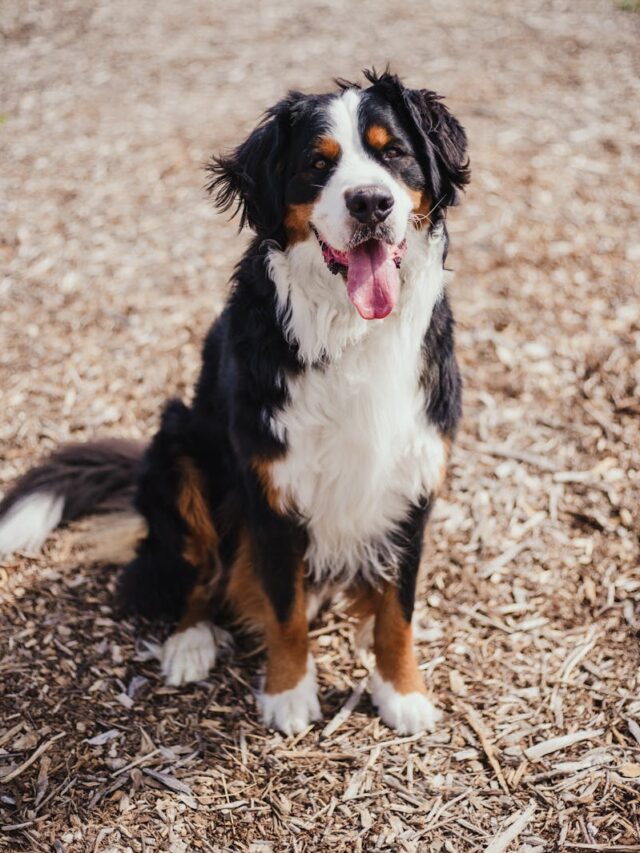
315 311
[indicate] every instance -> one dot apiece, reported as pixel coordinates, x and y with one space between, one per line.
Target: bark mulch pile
113 266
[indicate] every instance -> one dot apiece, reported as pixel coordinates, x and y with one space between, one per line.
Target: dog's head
353 170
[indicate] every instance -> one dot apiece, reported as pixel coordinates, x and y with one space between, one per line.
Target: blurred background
114 263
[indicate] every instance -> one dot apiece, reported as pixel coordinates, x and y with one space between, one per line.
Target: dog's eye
319 164
392 152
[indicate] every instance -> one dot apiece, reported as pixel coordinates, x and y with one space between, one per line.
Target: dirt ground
113 266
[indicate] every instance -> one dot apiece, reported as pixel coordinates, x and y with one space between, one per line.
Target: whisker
421 217
436 205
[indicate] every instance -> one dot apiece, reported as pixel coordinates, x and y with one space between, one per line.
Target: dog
309 461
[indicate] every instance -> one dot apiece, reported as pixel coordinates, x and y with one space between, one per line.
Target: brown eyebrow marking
296 221
422 206
328 147
378 136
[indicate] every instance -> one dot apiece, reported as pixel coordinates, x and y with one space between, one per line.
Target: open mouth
371 270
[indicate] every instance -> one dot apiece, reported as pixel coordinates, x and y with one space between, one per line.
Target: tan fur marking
201 549
274 497
287 642
421 206
328 147
362 602
378 136
244 592
393 644
416 198
296 221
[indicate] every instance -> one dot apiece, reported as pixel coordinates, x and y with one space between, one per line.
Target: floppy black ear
250 180
444 144
438 136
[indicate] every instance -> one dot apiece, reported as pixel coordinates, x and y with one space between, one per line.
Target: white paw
189 655
292 710
407 713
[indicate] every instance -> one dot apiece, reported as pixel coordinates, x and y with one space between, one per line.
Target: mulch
114 265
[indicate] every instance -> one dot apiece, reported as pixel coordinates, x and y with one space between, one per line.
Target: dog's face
353 170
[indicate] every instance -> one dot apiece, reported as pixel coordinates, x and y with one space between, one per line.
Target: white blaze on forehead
356 167
345 123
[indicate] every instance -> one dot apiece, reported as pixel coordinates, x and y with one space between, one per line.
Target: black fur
249 180
441 375
409 538
267 172
157 582
223 432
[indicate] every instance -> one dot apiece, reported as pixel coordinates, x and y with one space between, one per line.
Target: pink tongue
372 279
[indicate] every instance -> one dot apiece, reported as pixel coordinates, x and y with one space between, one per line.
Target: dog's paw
292 710
189 655
407 713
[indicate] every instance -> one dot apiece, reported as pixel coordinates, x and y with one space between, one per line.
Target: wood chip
554 744
104 737
13 774
172 784
347 709
630 770
519 823
634 728
477 724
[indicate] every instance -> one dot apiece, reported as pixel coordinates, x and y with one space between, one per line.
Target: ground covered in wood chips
113 265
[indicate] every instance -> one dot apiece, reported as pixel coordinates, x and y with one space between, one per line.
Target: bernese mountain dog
309 460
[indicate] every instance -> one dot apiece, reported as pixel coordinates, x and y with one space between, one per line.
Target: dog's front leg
398 688
289 700
267 591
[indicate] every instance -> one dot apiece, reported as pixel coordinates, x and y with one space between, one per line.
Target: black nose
369 205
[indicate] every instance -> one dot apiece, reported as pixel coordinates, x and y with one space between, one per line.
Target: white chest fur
360 446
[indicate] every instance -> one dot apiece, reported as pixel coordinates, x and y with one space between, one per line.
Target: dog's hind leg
176 571
191 651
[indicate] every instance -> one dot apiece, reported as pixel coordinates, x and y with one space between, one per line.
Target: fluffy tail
77 480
